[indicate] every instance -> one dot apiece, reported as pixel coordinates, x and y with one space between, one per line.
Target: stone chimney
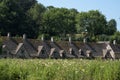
8 35
52 40
114 42
84 40
70 39
42 38
24 36
70 50
80 51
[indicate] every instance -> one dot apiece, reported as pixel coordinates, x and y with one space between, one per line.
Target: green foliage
92 21
104 37
116 37
111 27
34 19
14 18
59 22
17 69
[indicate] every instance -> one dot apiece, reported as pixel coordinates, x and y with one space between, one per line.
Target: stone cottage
32 48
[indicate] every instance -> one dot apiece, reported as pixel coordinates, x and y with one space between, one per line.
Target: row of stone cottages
33 48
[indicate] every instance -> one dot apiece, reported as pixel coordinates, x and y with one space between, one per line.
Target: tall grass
34 69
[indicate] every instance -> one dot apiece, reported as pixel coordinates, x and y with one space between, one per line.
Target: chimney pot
24 36
114 42
70 39
84 40
52 40
42 38
8 35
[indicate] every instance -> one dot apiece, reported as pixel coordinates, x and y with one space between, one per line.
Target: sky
109 8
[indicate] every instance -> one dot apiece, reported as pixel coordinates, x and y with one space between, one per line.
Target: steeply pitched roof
98 48
83 46
64 45
115 47
10 43
52 51
18 47
39 49
55 45
75 49
29 47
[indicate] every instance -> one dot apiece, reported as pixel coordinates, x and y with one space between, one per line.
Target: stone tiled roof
115 47
32 45
98 48
55 45
18 47
10 43
64 45
29 47
82 46
75 49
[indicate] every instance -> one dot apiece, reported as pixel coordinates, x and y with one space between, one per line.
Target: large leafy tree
111 27
13 17
92 21
9 12
59 21
35 18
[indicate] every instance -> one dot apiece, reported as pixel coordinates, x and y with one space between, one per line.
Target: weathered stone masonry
33 48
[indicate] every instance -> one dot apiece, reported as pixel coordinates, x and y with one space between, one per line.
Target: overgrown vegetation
34 19
17 69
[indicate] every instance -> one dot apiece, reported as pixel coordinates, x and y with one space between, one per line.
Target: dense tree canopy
14 18
33 19
93 22
111 27
59 21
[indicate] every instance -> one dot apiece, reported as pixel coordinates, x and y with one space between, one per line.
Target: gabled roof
64 45
75 49
98 48
10 43
52 51
57 54
55 45
39 49
21 52
29 47
18 47
115 47
42 52
61 51
82 46
37 43
46 46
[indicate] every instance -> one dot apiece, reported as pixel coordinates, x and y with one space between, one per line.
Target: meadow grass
50 69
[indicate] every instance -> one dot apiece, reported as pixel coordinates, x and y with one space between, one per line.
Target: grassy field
75 69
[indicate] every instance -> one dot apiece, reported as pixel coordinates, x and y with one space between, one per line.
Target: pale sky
110 8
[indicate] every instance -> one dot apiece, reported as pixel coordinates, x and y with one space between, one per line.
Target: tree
111 27
8 14
92 21
116 37
35 14
26 4
13 17
59 22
